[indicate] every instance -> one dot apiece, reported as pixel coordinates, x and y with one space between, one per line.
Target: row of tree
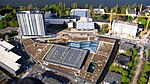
10 19
146 72
61 9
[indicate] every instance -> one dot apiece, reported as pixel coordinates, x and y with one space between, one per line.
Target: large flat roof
6 45
67 56
8 60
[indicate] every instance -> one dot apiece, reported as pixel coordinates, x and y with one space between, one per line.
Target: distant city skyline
95 3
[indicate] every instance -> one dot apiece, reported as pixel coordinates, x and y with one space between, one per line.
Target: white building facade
31 23
85 24
124 28
80 12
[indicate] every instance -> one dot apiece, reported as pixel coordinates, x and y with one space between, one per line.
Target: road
138 68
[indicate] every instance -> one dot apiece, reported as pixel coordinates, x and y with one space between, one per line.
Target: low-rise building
131 12
99 11
85 24
123 60
147 10
125 29
112 78
80 13
125 46
8 58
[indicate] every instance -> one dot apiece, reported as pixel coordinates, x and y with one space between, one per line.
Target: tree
1 23
143 79
14 11
130 64
8 17
125 73
93 15
123 10
91 9
60 13
135 51
130 18
100 6
100 17
46 7
147 66
116 9
29 7
13 23
111 68
75 6
60 5
144 21
148 53
134 5
106 9
86 6
6 37
36 7
104 28
128 52
125 80
112 10
68 12
9 7
64 6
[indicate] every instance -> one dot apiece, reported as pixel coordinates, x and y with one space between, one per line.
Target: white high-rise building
31 23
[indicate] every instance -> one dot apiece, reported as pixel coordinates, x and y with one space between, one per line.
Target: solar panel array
63 55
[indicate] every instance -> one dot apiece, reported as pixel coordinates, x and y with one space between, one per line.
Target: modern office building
8 58
80 12
124 28
31 23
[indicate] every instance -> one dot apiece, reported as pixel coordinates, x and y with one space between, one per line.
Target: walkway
138 68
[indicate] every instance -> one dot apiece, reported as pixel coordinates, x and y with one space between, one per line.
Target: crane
114 14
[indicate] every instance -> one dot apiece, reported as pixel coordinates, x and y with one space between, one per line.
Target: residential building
112 78
99 11
147 10
8 58
85 24
123 60
80 13
131 12
124 28
125 46
31 23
